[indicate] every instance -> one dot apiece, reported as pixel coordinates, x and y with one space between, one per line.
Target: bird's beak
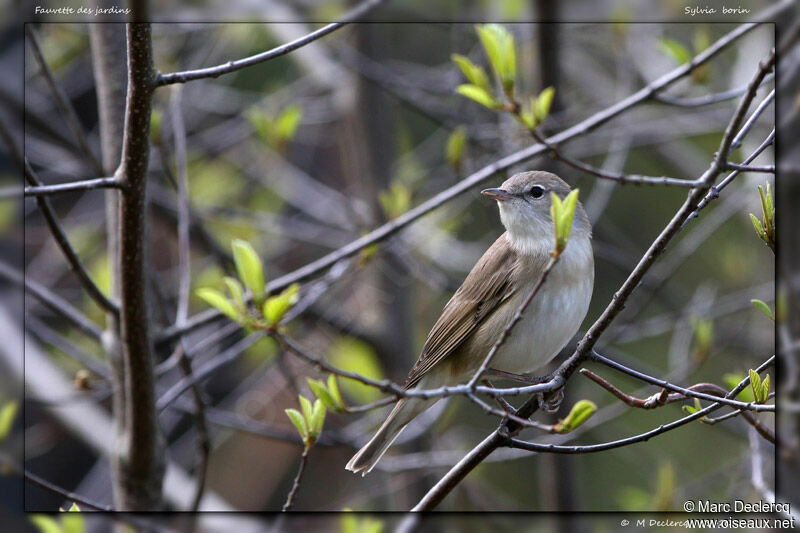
501 195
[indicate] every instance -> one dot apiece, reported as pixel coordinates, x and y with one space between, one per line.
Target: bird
493 291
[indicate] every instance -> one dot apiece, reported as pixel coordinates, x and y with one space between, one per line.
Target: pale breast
549 322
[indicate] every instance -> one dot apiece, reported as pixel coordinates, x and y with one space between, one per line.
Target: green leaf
580 413
676 50
562 214
317 419
703 336
321 391
371 525
498 43
352 355
454 150
352 524
7 415
72 521
764 308
543 104
348 522
45 524
759 228
287 122
217 300
298 421
732 380
765 388
692 410
276 307
261 124
395 201
236 291
249 268
755 385
333 388
528 118
307 409
479 95
474 74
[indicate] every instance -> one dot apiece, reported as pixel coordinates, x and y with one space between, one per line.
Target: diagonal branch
63 243
232 66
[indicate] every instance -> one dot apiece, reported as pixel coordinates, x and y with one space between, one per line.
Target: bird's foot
552 404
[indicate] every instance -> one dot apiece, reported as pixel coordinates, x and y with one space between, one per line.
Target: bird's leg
553 403
511 376
500 400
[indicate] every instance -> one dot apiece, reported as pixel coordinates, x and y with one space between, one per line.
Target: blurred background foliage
305 153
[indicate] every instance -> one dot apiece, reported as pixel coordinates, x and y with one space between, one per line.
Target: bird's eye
537 191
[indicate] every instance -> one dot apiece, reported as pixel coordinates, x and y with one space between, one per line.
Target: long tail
403 413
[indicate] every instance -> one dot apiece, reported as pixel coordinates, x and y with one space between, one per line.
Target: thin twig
52 488
62 101
552 448
663 398
619 177
390 228
707 99
232 66
749 406
766 169
51 300
206 370
184 285
737 141
296 485
713 193
84 185
64 245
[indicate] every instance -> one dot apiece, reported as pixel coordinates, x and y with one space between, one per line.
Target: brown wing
488 284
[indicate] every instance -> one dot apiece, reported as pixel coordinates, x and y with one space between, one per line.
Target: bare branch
84 185
766 169
737 141
296 485
232 66
749 406
62 101
63 243
53 302
713 194
707 99
552 448
52 488
184 284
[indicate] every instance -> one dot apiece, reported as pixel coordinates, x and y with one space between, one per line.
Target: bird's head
524 201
